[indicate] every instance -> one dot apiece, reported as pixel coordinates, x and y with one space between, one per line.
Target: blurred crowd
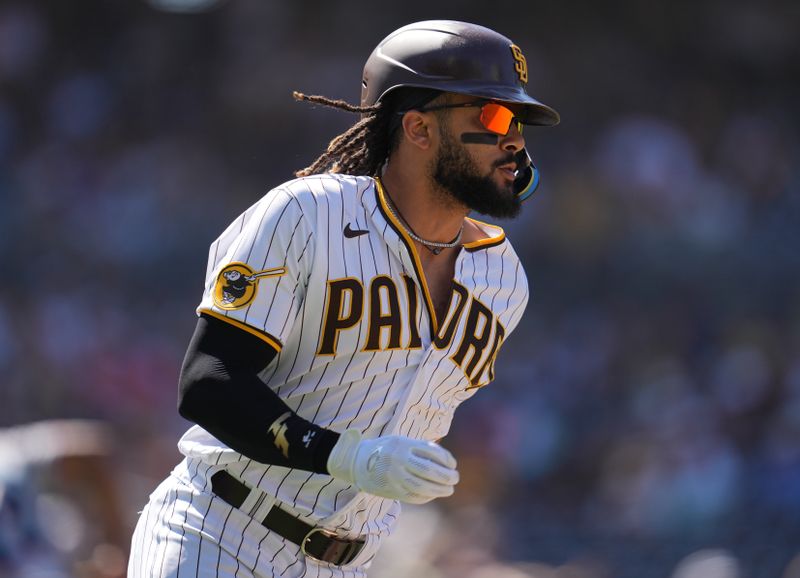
645 418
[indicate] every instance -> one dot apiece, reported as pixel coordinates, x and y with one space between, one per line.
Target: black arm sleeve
220 390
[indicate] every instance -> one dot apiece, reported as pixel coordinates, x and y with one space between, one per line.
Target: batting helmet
462 58
455 57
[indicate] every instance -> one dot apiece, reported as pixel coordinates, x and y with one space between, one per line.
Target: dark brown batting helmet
454 57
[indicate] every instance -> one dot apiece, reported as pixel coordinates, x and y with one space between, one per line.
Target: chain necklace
433 246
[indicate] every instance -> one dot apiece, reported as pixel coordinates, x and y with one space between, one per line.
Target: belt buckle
338 552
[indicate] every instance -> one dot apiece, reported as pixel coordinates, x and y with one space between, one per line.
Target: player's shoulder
323 187
487 237
489 243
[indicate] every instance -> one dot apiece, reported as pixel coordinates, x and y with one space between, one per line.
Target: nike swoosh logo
350 233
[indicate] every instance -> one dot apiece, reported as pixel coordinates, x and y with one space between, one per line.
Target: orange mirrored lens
497 118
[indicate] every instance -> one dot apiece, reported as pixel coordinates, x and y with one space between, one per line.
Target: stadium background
645 419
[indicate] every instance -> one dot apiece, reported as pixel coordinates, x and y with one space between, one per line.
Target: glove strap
342 458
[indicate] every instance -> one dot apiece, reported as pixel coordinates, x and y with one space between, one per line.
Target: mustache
510 158
491 139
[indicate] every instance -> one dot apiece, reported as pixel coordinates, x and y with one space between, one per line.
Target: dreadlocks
364 147
361 149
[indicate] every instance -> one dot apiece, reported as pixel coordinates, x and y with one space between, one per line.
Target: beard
460 180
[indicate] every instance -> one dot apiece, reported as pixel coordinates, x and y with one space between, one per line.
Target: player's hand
394 467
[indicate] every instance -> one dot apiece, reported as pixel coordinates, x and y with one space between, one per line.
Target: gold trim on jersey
400 230
263 335
488 241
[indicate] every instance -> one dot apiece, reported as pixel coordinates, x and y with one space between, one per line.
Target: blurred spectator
60 512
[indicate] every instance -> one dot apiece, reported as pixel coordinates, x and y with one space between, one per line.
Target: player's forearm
221 392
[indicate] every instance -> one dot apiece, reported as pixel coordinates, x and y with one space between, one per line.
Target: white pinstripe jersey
359 344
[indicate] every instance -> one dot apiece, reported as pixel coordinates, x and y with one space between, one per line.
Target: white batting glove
394 467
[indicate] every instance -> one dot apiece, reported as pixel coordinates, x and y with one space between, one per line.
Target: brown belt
317 543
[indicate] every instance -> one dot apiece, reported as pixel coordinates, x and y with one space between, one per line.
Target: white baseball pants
186 531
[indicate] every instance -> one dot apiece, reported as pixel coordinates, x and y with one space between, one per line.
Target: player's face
479 176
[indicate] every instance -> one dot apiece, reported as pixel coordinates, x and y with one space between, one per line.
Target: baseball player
346 315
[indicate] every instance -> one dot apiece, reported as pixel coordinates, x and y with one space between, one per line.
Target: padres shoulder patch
237 284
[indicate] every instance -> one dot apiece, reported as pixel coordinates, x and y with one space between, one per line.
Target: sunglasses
495 117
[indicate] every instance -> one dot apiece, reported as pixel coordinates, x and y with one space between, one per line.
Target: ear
418 128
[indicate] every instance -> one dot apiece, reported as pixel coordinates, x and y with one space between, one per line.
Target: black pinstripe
136 560
202 527
281 279
224 525
266 255
385 396
154 542
360 327
294 291
246 221
166 539
502 275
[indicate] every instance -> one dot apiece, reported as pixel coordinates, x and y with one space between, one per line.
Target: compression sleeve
219 389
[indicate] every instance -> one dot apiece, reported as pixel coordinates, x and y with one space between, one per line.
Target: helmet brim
533 111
